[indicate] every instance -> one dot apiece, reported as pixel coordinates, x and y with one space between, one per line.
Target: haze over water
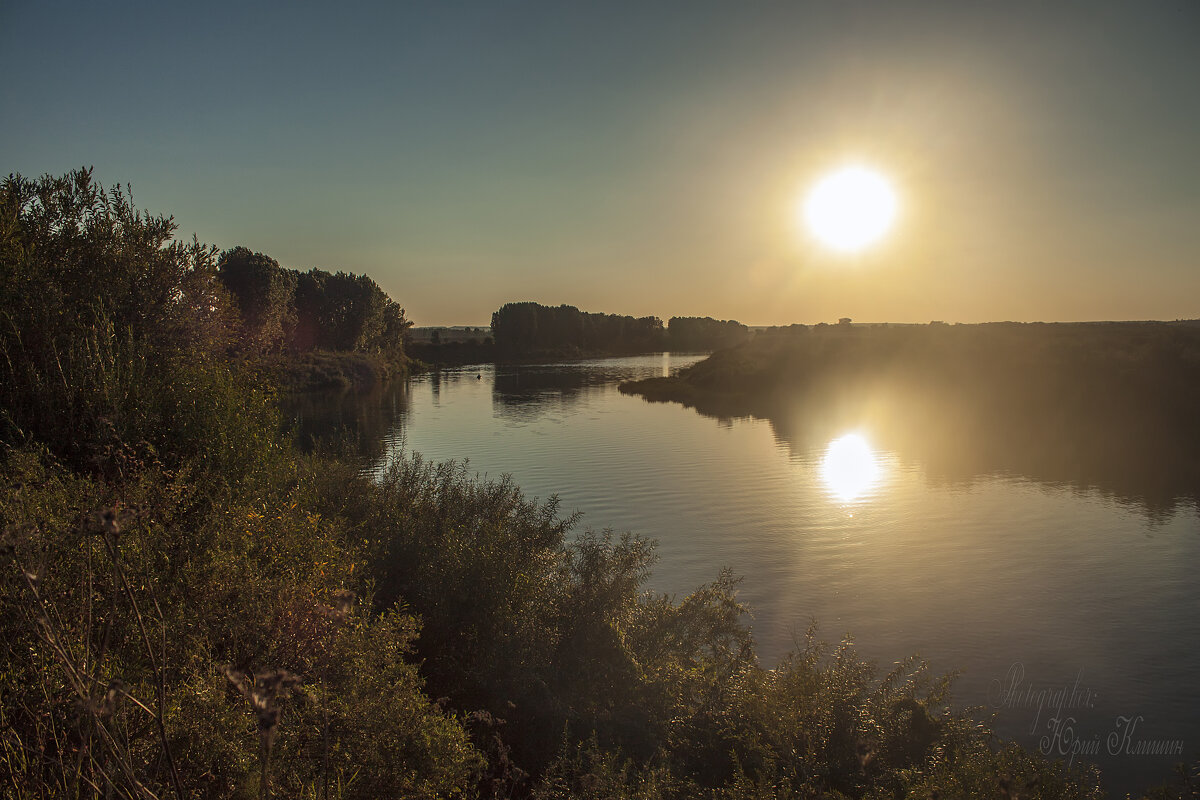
1028 588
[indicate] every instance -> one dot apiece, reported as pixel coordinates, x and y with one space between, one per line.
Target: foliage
322 369
157 529
109 329
535 330
314 310
704 333
586 770
153 597
438 351
265 294
341 311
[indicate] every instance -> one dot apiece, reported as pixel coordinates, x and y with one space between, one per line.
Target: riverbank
941 557
322 370
452 353
1105 405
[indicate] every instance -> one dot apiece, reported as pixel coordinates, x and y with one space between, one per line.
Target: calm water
1040 595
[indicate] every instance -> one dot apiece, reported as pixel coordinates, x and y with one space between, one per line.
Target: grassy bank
453 353
325 370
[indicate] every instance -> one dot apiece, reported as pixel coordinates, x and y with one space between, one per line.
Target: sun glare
850 209
849 468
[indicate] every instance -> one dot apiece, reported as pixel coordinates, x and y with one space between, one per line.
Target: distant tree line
705 333
532 329
522 329
1110 405
285 309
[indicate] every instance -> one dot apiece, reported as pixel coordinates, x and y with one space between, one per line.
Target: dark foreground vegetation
190 608
1106 405
525 331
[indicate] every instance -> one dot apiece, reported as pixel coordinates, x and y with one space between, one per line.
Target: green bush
161 600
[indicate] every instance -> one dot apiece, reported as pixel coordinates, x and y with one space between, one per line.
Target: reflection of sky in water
856 532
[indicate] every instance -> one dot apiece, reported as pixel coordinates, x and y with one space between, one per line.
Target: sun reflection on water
850 467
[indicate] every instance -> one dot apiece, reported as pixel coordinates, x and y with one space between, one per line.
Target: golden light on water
850 467
851 208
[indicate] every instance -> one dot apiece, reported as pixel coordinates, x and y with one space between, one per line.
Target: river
1069 612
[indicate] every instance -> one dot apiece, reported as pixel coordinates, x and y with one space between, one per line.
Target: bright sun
850 208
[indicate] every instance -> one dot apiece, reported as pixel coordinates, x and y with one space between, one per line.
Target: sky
645 158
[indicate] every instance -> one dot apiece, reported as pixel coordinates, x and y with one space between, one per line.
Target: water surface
1043 595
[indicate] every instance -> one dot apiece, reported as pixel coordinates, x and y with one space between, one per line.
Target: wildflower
865 753
109 520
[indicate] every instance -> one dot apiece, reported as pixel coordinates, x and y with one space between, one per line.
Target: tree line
705 333
1109 405
285 309
530 329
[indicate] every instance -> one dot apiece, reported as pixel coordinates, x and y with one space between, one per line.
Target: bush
260 585
112 334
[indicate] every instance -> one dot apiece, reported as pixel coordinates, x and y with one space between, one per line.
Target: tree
531 328
705 333
265 293
340 311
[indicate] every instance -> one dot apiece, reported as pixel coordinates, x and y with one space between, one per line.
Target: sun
851 208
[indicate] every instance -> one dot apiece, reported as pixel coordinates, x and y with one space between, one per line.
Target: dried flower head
264 692
343 601
110 520
865 753
108 704
12 535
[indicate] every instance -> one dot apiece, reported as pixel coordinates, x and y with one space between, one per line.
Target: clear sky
645 157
